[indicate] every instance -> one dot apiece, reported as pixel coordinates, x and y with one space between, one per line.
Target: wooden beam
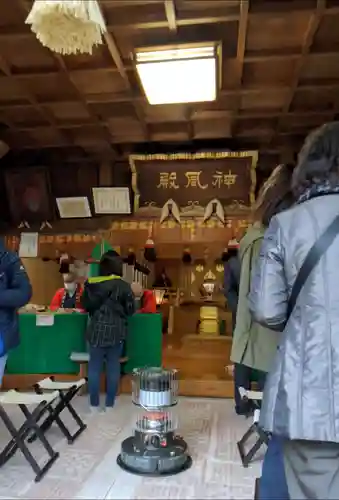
171 15
8 32
16 31
306 46
115 98
242 31
247 143
122 3
190 120
311 30
117 59
241 48
249 57
249 90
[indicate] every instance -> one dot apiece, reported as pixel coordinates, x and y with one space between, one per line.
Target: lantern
159 295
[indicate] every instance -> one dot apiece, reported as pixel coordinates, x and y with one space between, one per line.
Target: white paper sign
44 319
108 200
29 245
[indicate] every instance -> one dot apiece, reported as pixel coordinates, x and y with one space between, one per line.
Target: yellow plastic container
208 312
209 327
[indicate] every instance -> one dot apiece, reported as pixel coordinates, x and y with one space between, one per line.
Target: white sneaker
95 410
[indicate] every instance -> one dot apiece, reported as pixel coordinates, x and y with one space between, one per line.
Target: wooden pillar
106 174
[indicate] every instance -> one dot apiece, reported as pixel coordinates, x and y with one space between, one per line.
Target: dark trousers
98 357
243 376
273 485
234 321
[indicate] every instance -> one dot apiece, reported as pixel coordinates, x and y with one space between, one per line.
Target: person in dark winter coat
15 292
109 301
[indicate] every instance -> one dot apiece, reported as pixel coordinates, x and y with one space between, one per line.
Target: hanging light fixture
159 295
67 26
194 69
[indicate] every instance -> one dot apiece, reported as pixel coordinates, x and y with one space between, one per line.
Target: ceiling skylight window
178 75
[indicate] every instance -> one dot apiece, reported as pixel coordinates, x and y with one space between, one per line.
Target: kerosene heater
155 449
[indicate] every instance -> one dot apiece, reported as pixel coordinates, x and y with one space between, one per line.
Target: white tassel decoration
45 224
23 224
219 211
67 26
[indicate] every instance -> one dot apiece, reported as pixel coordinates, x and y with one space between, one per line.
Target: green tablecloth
144 342
47 349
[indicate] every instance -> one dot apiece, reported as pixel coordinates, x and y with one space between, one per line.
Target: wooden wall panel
87 177
63 180
73 180
45 279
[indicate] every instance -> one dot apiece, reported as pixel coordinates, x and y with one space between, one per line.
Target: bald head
137 289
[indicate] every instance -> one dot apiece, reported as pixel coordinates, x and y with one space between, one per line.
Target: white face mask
70 287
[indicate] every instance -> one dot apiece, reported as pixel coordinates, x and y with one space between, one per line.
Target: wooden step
210 345
195 366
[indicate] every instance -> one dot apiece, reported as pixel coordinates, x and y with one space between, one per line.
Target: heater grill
155 449
155 388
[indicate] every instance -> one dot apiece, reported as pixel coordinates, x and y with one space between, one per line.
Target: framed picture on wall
28 191
111 200
75 207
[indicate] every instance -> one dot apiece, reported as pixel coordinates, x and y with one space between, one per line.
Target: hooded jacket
109 300
253 345
15 292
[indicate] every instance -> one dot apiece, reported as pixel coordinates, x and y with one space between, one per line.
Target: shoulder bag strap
318 249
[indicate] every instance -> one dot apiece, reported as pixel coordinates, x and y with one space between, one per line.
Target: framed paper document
112 200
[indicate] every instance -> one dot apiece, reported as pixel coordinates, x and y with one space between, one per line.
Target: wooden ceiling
279 79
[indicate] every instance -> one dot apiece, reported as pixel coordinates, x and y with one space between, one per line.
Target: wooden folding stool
19 436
